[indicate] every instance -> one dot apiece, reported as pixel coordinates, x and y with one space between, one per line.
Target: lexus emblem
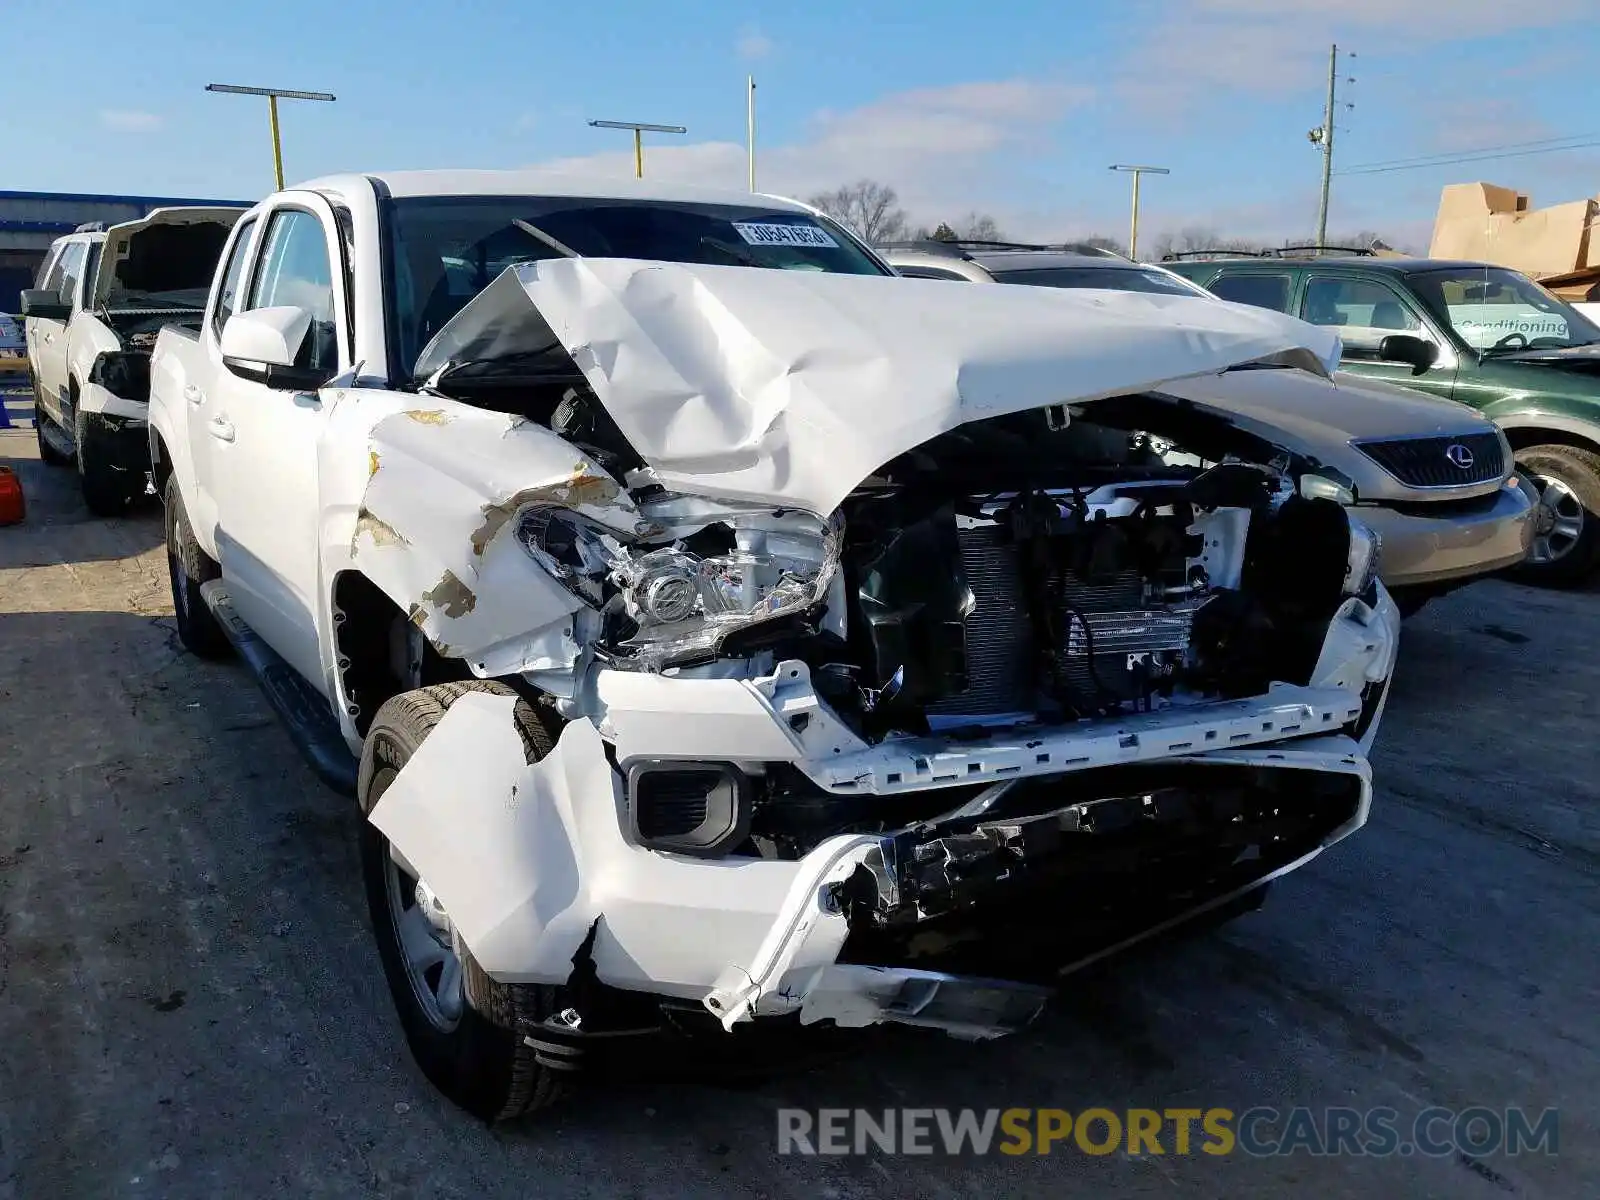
1460 455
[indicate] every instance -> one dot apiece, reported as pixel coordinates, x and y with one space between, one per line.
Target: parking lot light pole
1133 233
639 130
272 95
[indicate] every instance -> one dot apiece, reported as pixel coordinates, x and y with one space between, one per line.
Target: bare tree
1103 242
869 208
979 227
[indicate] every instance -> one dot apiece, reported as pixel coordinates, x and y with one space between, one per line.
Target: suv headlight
680 601
1364 556
1320 487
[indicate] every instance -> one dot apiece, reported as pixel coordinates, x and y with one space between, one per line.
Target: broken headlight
1364 555
682 599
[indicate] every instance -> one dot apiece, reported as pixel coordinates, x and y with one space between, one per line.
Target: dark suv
1469 331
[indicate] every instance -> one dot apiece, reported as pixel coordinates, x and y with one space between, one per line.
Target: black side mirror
40 302
1403 348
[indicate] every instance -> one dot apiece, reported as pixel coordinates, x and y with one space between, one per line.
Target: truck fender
435 530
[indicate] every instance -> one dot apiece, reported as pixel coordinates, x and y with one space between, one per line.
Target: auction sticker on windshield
784 233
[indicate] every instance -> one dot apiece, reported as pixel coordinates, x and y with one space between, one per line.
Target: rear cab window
1260 289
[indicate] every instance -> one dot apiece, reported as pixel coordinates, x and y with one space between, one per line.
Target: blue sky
1014 110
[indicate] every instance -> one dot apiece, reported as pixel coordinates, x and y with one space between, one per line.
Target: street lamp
1133 234
272 95
638 140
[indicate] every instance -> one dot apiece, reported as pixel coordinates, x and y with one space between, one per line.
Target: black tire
481 1063
188 566
48 454
107 491
1578 472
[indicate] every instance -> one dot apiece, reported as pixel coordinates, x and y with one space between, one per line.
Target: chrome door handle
221 428
193 394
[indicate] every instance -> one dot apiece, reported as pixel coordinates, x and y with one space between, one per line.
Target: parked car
11 342
102 296
1398 456
720 633
1483 335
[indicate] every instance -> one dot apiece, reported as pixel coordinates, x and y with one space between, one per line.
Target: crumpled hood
791 387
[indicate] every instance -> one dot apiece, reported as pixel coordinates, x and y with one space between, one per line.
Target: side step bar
303 710
52 433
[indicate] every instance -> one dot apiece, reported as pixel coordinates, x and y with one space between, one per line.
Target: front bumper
544 881
1463 541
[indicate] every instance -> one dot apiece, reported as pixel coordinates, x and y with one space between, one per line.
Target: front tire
460 1025
188 566
1566 541
107 491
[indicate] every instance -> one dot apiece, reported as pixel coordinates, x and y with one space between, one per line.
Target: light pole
1133 233
639 129
272 95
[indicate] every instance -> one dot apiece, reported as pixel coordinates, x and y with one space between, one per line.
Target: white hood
179 263
791 387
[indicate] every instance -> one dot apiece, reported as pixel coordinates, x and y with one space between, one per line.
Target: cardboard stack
1558 246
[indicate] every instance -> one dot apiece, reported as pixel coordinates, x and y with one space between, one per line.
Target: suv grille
1436 462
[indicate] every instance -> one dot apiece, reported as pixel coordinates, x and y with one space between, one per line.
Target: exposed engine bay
1036 567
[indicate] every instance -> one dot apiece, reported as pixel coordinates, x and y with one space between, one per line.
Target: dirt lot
190 1005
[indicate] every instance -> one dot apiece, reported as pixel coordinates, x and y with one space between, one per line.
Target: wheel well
379 653
1523 436
160 463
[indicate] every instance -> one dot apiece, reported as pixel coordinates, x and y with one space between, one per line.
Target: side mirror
262 344
39 302
1403 348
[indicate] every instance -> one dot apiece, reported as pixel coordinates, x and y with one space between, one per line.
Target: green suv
1480 334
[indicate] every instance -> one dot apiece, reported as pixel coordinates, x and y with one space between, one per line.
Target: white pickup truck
103 295
721 633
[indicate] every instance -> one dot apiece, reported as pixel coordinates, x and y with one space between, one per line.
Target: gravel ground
190 1004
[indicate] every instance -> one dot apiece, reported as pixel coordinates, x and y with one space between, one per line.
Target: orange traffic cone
12 509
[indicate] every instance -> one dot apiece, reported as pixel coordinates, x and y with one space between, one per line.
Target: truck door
263 440
198 406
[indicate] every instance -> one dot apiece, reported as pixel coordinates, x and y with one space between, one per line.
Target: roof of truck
543 183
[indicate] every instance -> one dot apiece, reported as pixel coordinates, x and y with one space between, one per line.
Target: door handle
193 394
221 428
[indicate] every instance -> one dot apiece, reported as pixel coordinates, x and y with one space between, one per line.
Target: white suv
90 332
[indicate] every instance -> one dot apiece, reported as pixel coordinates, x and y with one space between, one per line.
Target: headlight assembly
679 601
1364 557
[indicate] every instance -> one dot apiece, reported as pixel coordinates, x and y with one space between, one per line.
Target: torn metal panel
430 530
793 386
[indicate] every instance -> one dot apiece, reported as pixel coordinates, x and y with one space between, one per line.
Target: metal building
30 221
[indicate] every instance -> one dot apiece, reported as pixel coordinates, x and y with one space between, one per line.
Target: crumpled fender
435 530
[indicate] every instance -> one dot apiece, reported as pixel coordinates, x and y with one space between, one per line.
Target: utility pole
639 129
1133 233
1324 139
272 95
750 129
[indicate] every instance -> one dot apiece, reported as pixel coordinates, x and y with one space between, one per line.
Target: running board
303 710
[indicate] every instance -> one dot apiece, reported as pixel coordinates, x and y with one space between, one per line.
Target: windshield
1116 279
445 250
1496 311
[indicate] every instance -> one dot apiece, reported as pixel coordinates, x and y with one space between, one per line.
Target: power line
1584 141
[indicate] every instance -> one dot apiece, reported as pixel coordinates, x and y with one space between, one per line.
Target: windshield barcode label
762 233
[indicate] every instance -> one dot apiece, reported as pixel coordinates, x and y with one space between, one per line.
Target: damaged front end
1019 695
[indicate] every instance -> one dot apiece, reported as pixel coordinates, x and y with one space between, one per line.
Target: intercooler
1002 652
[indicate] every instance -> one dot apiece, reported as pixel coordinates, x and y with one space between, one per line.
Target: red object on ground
12 508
